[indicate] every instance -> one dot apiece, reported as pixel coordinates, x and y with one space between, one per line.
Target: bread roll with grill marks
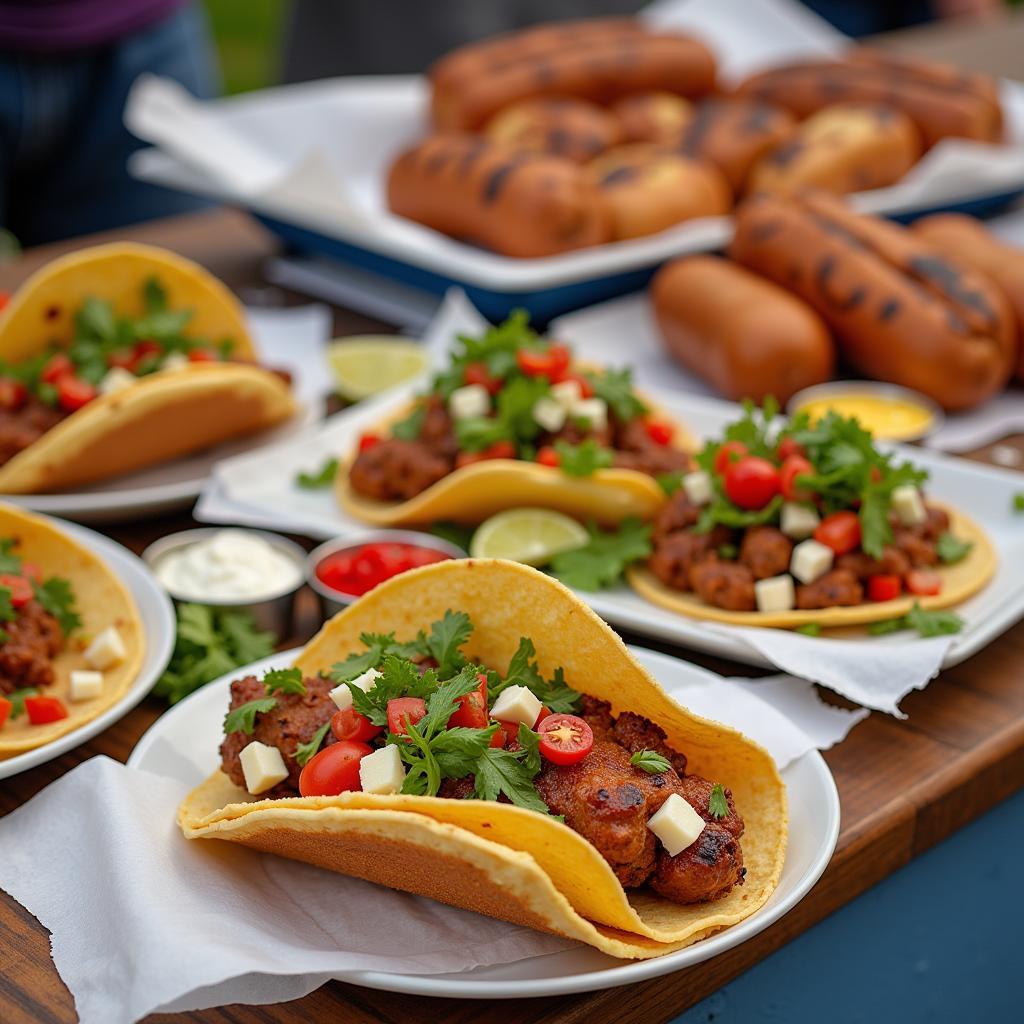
658 117
599 62
899 309
647 190
745 335
845 148
575 129
518 204
966 239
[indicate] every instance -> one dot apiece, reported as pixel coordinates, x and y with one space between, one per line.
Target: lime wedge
530 535
366 364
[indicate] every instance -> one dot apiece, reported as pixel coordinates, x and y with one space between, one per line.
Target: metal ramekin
332 600
273 613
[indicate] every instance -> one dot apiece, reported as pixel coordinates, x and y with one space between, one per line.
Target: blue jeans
63 143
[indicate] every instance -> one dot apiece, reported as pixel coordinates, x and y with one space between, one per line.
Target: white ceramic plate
158 625
183 744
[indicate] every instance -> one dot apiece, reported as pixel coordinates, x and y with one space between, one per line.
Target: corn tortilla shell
550 877
101 601
959 582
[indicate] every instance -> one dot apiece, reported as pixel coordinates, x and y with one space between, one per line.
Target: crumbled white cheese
86 684
798 521
775 594
106 650
697 487
516 704
567 393
115 379
907 504
342 695
382 771
810 560
676 824
263 767
469 402
593 410
549 413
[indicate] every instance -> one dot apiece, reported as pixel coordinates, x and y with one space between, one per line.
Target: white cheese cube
810 560
798 521
106 650
549 414
567 393
342 695
516 704
593 410
697 487
115 379
470 402
907 504
86 684
676 824
174 361
263 767
382 771
775 594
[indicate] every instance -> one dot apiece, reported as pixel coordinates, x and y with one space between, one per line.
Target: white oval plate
158 625
183 744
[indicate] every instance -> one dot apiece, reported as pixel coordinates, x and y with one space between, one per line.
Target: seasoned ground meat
576 433
21 427
678 513
634 732
918 549
397 470
893 562
677 553
598 715
697 793
839 587
295 720
635 449
936 524
706 869
26 657
765 551
459 789
438 429
726 585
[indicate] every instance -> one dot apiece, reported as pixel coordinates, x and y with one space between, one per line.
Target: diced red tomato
43 710
147 347
58 365
565 739
12 393
20 588
5 297
477 373
658 432
203 355
403 709
731 451
510 732
472 710
586 388
792 467
923 583
839 531
499 737
367 441
357 570
787 446
541 715
73 393
547 456
351 725
752 482
551 362
884 587
334 770
6 705
123 358
498 450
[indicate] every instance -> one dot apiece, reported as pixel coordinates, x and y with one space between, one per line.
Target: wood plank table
904 786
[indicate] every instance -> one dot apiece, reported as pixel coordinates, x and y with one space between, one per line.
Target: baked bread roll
845 148
575 129
647 190
899 309
658 117
745 335
518 204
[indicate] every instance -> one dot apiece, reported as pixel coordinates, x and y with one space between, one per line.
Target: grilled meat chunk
636 449
598 715
677 553
724 584
34 638
394 470
697 793
678 513
705 870
837 587
634 732
765 551
893 563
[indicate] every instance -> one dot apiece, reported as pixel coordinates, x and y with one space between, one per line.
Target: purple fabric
52 26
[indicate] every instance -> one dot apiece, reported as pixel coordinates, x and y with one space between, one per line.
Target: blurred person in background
65 70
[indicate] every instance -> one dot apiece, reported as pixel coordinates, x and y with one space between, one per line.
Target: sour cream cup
272 609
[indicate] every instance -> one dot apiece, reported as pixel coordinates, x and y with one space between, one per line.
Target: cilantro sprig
305 751
56 597
650 761
583 459
555 694
9 561
602 561
17 699
951 549
927 623
718 805
318 479
243 718
284 680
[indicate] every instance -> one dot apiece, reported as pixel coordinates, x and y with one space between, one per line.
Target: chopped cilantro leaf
304 751
446 636
557 696
718 806
927 623
582 459
650 761
7 612
408 429
398 678
243 718
284 680
670 482
951 549
9 561
1018 502
56 597
17 699
501 771
601 562
809 629
615 387
318 479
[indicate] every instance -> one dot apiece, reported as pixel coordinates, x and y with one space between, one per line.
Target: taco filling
419 718
512 394
106 353
809 516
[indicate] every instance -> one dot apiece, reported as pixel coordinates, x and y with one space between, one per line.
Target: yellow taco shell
101 601
495 858
959 581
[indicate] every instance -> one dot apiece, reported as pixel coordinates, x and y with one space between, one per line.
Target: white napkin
293 338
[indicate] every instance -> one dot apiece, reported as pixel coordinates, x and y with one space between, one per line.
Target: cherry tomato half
57 366
73 393
472 710
12 393
923 583
565 739
367 441
43 710
752 482
351 725
658 432
787 446
547 456
884 587
730 451
792 467
334 770
477 373
403 709
6 705
839 531
550 362
20 588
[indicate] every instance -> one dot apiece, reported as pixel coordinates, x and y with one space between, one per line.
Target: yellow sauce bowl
889 412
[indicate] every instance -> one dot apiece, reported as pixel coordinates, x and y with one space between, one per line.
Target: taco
810 525
122 356
514 421
71 640
431 733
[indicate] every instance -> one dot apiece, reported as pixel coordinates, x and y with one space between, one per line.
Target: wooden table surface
904 786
